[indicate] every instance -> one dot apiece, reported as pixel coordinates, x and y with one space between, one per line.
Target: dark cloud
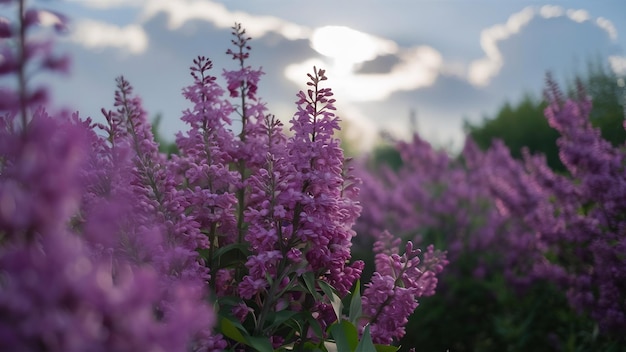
446 103
381 64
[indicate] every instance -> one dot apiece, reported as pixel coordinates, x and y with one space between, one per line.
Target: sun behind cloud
344 49
349 45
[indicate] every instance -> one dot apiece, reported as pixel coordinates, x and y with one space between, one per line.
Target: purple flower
393 292
62 291
250 287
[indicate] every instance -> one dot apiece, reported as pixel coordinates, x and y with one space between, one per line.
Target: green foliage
366 344
356 310
346 335
234 330
608 110
524 125
388 155
165 147
468 314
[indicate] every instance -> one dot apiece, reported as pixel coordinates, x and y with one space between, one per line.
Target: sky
447 61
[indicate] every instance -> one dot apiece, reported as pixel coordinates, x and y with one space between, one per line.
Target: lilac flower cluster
277 210
572 224
398 282
431 197
523 219
296 216
95 254
96 297
566 229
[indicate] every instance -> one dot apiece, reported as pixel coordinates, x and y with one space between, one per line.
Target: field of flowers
268 238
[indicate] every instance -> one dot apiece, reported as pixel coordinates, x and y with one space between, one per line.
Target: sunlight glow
347 49
347 44
418 67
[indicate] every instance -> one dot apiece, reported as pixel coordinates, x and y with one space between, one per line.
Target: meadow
269 238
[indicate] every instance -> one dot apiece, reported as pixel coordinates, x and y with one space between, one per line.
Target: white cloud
345 43
297 72
107 4
618 64
579 16
418 67
607 26
181 11
49 19
482 70
519 20
549 11
99 35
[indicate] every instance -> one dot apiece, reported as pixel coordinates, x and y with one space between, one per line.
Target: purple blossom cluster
572 225
74 277
432 197
399 280
519 218
108 244
96 253
277 208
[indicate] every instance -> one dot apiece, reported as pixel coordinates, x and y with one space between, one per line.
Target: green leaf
309 281
269 278
204 253
310 346
356 310
261 344
386 348
314 324
329 291
296 325
366 344
345 335
227 301
326 288
337 306
222 251
229 330
280 317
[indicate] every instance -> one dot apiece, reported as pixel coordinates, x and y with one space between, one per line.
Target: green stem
271 295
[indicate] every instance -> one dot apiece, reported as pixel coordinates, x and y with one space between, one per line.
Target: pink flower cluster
398 282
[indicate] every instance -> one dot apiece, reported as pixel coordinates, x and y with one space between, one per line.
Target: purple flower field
245 239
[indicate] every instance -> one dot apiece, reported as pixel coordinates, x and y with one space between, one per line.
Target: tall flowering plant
78 272
570 225
278 211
